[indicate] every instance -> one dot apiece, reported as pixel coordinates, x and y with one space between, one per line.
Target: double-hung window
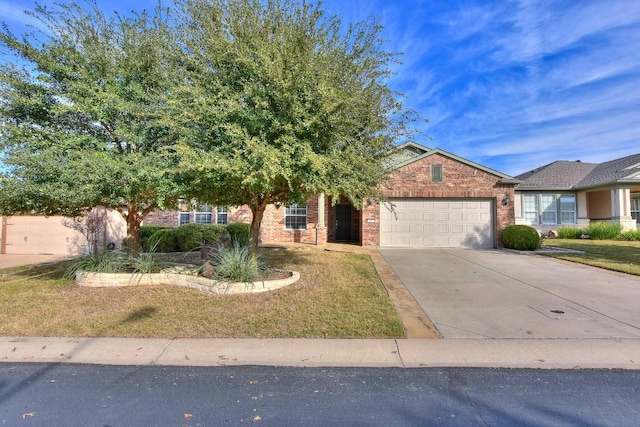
530 208
567 209
635 207
548 208
184 212
295 217
204 214
222 215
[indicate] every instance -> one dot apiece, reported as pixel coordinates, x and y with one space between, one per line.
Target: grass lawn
339 295
610 254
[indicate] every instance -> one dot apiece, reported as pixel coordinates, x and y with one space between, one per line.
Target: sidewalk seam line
164 350
402 365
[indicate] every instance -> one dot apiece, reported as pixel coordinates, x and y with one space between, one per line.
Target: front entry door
343 223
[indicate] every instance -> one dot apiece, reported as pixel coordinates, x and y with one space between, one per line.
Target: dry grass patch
622 256
339 295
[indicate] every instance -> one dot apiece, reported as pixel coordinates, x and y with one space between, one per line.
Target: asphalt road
33 394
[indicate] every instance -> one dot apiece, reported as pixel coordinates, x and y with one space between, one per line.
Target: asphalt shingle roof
567 175
559 175
618 170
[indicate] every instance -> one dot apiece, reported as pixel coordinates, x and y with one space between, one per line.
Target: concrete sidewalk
400 353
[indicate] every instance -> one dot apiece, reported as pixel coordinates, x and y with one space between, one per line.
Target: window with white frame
635 207
222 215
204 214
548 208
567 209
184 216
295 217
530 208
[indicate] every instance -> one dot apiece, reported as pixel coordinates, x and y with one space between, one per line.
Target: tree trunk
132 242
256 221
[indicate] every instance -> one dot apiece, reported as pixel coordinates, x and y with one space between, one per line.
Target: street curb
317 353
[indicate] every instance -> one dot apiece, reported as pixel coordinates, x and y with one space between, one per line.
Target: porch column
582 215
321 210
621 207
321 228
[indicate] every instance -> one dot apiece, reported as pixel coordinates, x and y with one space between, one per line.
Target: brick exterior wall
273 223
459 181
273 227
171 218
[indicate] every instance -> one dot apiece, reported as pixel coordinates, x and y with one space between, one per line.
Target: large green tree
81 109
282 102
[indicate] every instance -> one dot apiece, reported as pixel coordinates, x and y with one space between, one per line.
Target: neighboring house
573 193
33 234
438 199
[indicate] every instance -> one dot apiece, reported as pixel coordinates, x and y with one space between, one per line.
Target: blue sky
512 85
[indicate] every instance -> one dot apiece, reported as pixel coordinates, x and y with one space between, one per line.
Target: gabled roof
410 152
567 175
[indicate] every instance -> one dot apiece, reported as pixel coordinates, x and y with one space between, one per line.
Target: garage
438 223
39 235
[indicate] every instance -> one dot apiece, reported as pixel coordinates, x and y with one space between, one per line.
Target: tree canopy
286 103
233 102
81 110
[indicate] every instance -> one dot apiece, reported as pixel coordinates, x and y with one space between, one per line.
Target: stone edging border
117 280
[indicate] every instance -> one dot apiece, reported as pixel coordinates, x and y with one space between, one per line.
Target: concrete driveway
503 294
7 261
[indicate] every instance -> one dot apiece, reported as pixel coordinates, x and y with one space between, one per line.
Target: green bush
236 264
521 237
105 262
630 235
604 230
239 233
147 231
192 236
570 232
163 241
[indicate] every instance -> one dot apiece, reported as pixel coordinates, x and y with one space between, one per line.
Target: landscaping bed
339 295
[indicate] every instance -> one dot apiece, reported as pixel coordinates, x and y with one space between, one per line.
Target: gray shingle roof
566 175
626 169
559 175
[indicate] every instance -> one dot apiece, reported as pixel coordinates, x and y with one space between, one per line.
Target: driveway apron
504 294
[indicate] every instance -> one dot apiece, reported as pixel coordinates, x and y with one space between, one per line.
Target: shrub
570 232
239 233
630 235
521 237
192 236
163 240
144 263
604 230
216 234
147 231
105 262
236 264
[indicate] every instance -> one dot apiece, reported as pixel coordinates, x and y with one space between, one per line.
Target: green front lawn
339 295
610 254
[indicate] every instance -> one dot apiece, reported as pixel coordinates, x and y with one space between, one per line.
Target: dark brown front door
343 223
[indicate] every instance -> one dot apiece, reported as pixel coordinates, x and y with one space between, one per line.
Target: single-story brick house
439 200
574 193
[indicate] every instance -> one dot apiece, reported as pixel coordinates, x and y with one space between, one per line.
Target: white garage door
440 223
41 235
